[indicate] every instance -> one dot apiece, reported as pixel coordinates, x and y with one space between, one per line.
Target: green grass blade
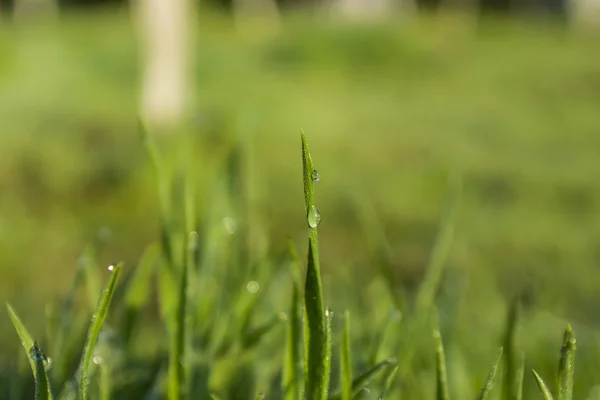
363 379
440 367
519 375
23 333
389 380
138 290
317 358
94 330
253 336
43 390
566 366
441 249
177 354
346 360
546 394
491 378
510 373
292 374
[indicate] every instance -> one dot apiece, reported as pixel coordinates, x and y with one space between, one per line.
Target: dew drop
111 267
314 218
97 360
230 225
253 287
282 316
329 313
315 176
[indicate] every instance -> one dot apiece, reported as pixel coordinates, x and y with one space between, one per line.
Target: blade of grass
317 359
177 354
440 364
363 379
94 330
253 337
441 248
43 390
23 333
566 367
138 291
519 374
292 366
546 394
510 377
491 379
389 380
346 360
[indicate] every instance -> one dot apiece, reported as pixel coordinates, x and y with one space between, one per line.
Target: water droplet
97 360
230 225
253 287
36 353
314 218
282 316
315 176
111 267
329 313
48 363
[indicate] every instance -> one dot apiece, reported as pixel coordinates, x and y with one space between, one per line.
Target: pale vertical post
165 37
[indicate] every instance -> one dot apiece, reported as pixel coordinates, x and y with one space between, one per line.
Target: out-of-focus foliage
391 108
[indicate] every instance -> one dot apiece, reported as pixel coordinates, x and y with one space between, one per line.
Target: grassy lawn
390 110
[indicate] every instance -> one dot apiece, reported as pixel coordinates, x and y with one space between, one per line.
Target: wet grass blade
23 333
441 249
519 375
317 358
510 377
292 374
440 367
491 379
94 330
389 380
363 379
43 390
566 367
346 360
546 394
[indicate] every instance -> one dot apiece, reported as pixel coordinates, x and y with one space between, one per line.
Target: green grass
188 347
389 112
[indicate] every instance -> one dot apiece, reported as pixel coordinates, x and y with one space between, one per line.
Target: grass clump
220 301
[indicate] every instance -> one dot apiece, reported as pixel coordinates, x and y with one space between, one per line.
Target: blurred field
390 109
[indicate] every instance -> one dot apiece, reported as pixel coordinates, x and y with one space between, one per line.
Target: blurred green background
390 109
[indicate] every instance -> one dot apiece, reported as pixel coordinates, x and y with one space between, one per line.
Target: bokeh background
393 96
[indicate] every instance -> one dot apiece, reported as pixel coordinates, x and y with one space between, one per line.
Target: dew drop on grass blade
43 390
546 394
315 331
566 366
94 330
484 394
